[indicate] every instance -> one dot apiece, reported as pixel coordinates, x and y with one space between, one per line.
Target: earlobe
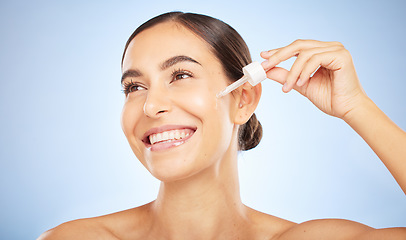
248 102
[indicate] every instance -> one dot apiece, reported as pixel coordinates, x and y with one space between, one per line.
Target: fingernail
265 64
285 87
299 82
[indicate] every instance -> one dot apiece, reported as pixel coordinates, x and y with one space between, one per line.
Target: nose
157 103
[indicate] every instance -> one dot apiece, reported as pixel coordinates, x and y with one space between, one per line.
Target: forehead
165 40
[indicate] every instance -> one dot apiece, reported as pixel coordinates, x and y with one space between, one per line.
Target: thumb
277 74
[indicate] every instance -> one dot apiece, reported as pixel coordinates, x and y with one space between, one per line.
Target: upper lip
164 129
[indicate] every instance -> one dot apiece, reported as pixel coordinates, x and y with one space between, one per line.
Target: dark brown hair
229 48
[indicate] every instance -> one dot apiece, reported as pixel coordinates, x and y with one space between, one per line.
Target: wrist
363 105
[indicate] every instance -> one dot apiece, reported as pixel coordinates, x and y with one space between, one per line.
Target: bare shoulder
78 229
120 225
267 226
340 229
271 227
129 224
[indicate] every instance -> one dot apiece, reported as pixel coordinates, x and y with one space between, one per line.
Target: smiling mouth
169 136
160 139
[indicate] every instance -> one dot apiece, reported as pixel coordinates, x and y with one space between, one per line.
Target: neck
201 206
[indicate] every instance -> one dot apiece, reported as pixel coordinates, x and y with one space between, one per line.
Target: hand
334 87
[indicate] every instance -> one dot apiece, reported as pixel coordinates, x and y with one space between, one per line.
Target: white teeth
165 135
177 135
169 135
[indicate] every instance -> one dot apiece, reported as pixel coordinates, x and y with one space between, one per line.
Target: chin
170 170
171 175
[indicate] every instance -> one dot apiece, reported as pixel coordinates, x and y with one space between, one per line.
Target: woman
173 66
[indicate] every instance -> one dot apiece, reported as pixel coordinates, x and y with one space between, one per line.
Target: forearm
385 138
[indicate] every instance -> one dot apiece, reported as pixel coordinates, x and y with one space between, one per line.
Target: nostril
155 106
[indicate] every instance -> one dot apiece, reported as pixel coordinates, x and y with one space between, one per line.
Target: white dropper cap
254 73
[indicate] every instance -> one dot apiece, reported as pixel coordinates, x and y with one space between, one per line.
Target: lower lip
168 145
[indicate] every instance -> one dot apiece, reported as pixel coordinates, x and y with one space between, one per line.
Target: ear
247 102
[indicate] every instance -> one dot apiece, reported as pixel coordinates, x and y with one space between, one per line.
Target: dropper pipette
233 86
253 73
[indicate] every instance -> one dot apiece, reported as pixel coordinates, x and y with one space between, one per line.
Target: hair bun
250 134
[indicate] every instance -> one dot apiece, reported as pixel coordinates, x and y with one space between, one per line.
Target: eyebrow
167 64
130 73
176 59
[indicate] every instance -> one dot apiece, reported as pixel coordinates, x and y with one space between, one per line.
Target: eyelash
128 86
179 72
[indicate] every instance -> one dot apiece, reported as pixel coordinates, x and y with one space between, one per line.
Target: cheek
201 101
130 119
201 94
129 116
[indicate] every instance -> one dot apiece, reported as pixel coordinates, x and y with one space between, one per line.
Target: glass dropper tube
253 73
233 86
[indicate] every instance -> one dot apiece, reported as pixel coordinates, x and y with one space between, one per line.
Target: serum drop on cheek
253 73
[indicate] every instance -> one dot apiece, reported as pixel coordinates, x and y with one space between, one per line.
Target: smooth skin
200 198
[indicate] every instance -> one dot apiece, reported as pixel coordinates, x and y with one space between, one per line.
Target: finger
288 52
279 75
294 49
324 59
267 54
297 67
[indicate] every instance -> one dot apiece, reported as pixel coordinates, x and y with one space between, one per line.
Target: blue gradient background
63 155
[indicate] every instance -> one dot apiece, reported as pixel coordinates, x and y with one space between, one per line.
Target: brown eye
134 88
131 87
181 76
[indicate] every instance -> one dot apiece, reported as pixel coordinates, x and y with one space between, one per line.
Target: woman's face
171 117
